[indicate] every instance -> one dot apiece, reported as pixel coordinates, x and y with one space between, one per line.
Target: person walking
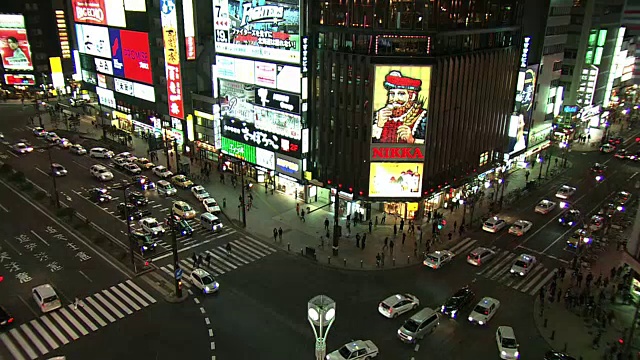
376 223
384 218
208 259
455 225
77 303
357 240
280 233
385 244
395 230
302 216
370 226
364 240
275 234
404 237
326 224
194 258
401 224
378 260
228 247
391 244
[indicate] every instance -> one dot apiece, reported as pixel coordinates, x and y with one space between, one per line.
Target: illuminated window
484 159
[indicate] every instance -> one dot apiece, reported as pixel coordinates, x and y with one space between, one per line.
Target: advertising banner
123 86
106 97
135 55
102 80
520 122
277 100
265 29
266 159
248 134
93 40
144 92
400 103
395 180
238 150
135 5
189 29
289 166
116 52
19 79
101 12
169 20
390 152
14 45
104 66
265 74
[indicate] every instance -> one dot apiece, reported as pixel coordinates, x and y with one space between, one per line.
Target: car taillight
10 321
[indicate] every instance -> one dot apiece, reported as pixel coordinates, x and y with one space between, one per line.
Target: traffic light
441 224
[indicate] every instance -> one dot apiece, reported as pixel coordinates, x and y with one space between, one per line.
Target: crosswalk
244 251
497 269
204 235
62 326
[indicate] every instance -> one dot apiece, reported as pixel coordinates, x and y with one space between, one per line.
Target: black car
556 355
182 227
133 211
621 154
598 168
457 302
138 199
616 140
144 240
570 218
143 182
5 318
99 195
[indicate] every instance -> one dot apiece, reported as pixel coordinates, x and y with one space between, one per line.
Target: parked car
101 173
77 149
162 172
101 153
144 163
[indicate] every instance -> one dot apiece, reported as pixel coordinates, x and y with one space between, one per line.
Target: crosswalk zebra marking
11 346
126 299
23 343
256 252
73 321
54 330
231 254
498 265
461 243
108 305
222 261
45 335
541 284
85 319
95 317
100 309
117 302
25 329
246 252
261 245
142 292
64 326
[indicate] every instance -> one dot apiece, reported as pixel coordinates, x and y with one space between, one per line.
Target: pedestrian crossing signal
441 224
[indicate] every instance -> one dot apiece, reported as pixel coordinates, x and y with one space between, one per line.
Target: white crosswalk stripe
498 269
461 246
60 327
244 251
204 236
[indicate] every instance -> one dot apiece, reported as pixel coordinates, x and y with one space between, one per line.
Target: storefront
405 210
122 121
289 186
205 151
289 176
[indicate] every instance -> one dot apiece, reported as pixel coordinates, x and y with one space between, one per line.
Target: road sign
178 273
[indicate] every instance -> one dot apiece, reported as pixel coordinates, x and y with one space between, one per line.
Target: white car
545 206
596 223
101 173
64 143
162 172
131 168
520 227
357 349
507 344
22 148
144 163
523 265
77 149
152 226
204 281
398 304
124 155
51 137
58 170
211 205
436 259
183 210
565 192
119 162
39 132
494 224
99 152
46 298
199 192
484 311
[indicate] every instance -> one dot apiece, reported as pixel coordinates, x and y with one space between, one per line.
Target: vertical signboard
14 46
169 20
189 29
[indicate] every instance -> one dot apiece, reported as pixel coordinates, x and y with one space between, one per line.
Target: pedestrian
376 223
77 303
275 234
357 240
404 237
395 229
401 224
370 226
208 259
429 216
455 225
598 281
194 258
579 279
378 260
326 224
280 233
228 247
384 218
224 202
298 209
412 228
450 235
588 279
391 244
364 240
302 216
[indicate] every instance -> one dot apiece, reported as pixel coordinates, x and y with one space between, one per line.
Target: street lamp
565 148
321 312
540 160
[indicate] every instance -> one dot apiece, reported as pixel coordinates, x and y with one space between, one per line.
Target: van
421 323
165 188
210 222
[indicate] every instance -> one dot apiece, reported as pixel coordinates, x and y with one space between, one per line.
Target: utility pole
336 226
242 202
167 144
126 215
53 178
176 262
175 152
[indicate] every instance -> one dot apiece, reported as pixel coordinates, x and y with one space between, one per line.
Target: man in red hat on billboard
403 119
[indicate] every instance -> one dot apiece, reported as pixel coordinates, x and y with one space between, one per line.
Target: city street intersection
260 309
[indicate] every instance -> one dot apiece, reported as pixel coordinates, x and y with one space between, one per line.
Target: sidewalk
564 325
618 129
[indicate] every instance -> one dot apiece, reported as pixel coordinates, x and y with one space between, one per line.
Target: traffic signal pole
176 262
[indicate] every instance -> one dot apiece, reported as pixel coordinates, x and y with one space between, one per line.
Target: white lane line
45 335
84 318
100 309
4 208
126 299
34 339
44 173
73 321
85 275
11 346
156 206
464 249
23 344
95 316
54 330
133 294
108 305
64 326
141 292
39 238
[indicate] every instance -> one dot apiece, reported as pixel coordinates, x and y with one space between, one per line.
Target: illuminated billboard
101 12
19 79
130 55
281 77
265 29
400 103
169 20
14 45
395 180
249 134
93 40
238 150
189 29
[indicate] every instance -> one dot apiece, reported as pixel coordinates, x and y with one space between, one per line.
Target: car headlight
512 271
503 353
470 318
206 289
144 247
517 354
442 308
481 322
521 273
453 313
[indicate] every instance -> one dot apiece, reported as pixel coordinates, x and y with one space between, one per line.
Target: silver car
398 304
480 255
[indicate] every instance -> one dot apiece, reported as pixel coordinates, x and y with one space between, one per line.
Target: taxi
520 227
181 181
545 206
484 311
183 210
494 224
579 237
436 259
357 349
596 223
570 218
523 264
398 304
565 192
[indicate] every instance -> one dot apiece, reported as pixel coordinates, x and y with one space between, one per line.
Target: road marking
85 275
207 321
4 208
82 166
64 326
100 309
73 321
133 295
541 284
202 310
39 238
461 243
86 320
108 305
45 174
196 300
45 335
117 302
126 299
54 330
156 206
11 246
142 292
213 345
95 316
23 343
210 333
12 348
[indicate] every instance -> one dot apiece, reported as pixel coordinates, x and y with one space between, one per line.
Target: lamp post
540 160
565 149
53 177
321 312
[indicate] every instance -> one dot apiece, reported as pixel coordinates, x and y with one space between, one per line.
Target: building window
560 10
557 65
553 49
557 30
484 159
